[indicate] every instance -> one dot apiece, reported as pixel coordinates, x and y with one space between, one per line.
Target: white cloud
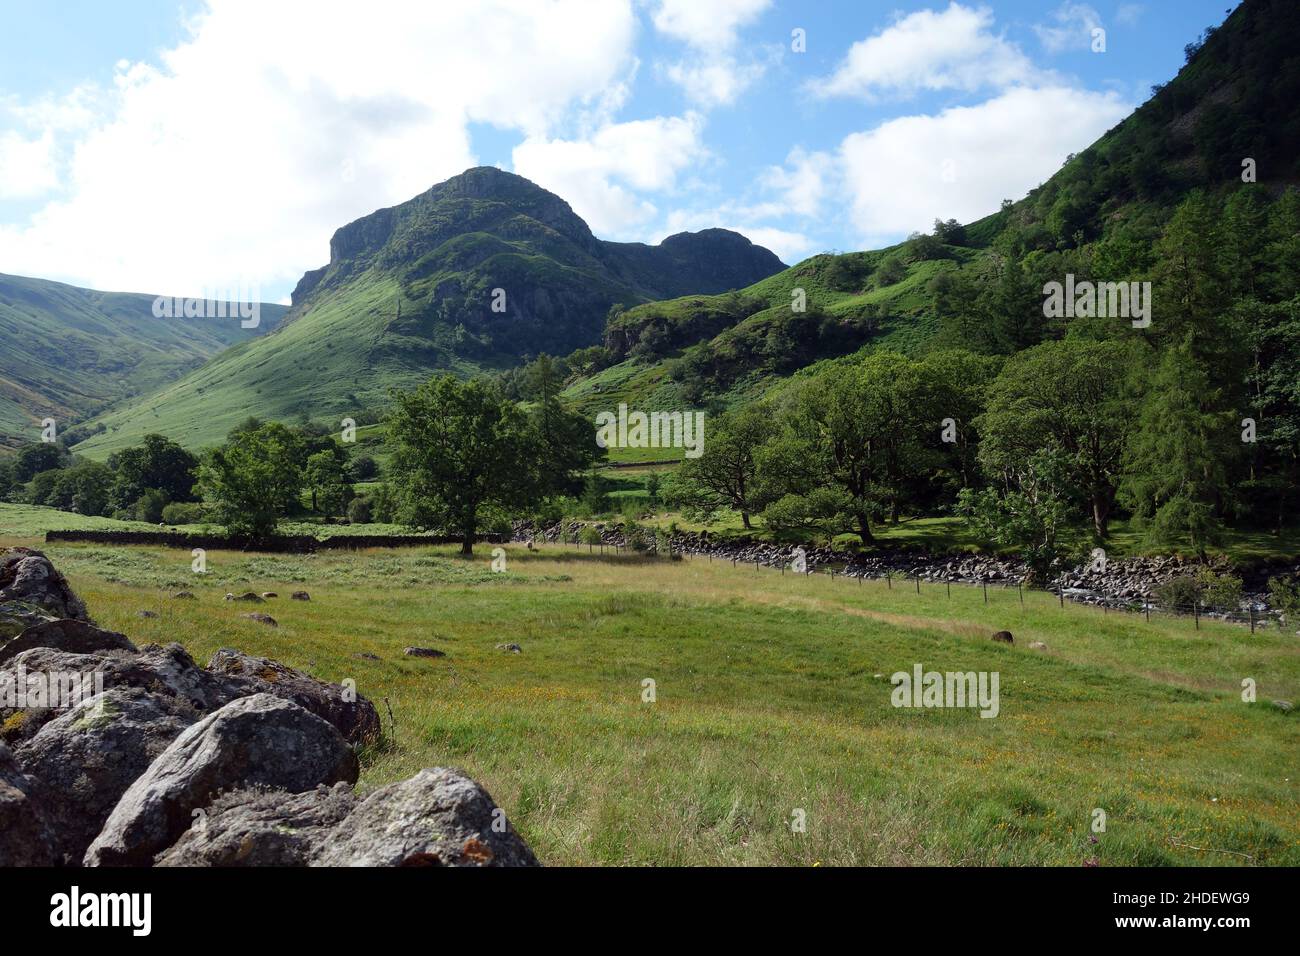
706 24
802 183
235 157
1128 14
951 50
28 168
599 174
1071 30
960 163
712 74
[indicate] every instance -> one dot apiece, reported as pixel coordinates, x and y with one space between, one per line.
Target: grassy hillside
410 291
71 352
767 705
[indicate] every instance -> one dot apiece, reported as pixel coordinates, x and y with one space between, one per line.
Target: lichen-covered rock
27 576
83 761
354 715
25 838
73 636
261 828
254 741
439 817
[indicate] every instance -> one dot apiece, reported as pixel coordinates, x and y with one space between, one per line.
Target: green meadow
772 705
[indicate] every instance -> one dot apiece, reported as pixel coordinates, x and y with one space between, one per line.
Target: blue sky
206 146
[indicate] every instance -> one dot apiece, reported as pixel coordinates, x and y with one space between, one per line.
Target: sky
198 147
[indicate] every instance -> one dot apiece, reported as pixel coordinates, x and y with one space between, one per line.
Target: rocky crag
243 762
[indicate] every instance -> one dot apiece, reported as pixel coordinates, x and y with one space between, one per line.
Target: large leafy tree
461 449
330 484
569 446
157 462
727 471
1068 396
253 479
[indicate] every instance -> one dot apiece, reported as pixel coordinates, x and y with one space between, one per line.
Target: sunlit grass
767 703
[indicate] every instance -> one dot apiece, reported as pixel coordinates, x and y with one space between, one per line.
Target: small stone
246 596
366 656
147 613
1037 646
512 648
423 652
300 596
1284 705
1005 637
184 595
261 618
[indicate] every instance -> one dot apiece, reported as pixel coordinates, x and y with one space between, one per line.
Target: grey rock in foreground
354 716
73 636
82 762
254 741
439 817
25 838
262 828
27 576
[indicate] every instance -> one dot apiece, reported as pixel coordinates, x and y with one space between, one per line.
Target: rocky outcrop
25 838
254 741
353 715
28 577
84 761
73 636
439 817
262 828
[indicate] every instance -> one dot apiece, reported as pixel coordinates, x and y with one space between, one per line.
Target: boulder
167 670
261 618
28 577
82 762
439 817
73 636
261 828
254 741
1005 637
300 596
184 595
1037 646
25 837
246 596
355 717
423 652
269 594
16 617
512 648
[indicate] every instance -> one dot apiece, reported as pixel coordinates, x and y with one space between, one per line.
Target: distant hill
69 352
410 290
977 286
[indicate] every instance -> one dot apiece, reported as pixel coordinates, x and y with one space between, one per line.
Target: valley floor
772 697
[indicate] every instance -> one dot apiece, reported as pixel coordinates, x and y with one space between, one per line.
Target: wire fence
1251 616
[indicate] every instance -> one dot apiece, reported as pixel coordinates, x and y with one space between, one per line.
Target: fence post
948 586
1021 590
1146 609
918 584
1196 613
1252 618
889 580
985 585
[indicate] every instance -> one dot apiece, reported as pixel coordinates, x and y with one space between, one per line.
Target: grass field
772 697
